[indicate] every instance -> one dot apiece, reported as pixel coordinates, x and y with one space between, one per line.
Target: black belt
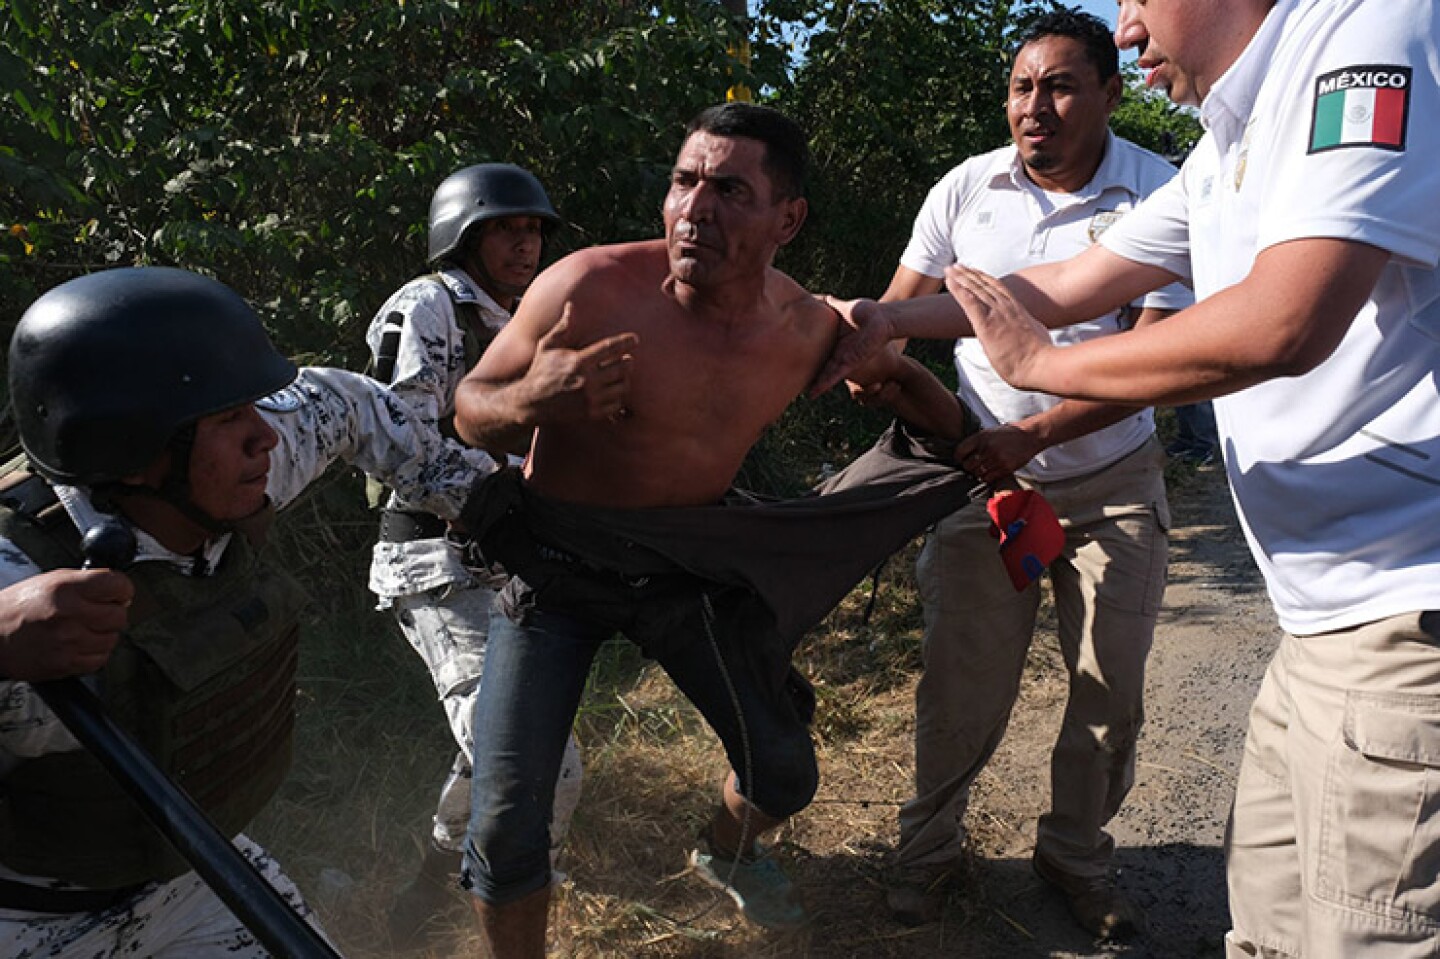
402 526
18 895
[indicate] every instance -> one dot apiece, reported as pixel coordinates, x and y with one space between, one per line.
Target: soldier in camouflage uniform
154 397
487 224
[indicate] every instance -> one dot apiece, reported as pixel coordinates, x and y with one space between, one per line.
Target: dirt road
1215 637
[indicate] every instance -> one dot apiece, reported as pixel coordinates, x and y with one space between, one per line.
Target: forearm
1057 294
1072 419
347 416
1183 360
924 402
1284 319
933 317
1094 283
494 417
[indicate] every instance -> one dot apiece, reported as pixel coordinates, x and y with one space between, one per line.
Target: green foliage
1151 120
290 148
894 93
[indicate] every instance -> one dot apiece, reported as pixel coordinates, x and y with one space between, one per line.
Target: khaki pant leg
1108 586
977 631
1363 760
1261 845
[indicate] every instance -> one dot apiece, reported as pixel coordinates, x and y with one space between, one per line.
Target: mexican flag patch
1361 106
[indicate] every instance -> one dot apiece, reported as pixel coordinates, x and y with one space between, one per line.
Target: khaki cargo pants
1334 843
1108 585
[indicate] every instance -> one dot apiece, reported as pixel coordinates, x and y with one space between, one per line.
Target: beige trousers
1333 850
1108 586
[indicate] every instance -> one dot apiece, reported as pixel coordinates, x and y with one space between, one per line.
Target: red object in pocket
1030 534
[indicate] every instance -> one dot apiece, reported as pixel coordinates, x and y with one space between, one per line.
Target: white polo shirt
986 213
1320 129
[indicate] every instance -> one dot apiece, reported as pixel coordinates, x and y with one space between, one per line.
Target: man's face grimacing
1058 109
724 218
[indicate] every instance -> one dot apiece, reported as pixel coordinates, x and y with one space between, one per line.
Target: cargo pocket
1379 842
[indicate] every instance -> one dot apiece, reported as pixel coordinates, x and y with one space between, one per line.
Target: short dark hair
787 150
1089 30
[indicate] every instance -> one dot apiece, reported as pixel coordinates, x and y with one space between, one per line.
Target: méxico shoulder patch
1361 106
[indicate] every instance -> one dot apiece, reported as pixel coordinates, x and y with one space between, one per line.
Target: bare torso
705 382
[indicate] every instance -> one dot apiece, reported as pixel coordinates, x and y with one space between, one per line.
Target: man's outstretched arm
1088 285
1284 319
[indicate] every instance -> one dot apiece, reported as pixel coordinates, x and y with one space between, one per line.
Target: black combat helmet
107 368
483 192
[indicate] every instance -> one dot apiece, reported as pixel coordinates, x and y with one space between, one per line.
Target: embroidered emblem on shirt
1361 106
1101 222
1242 161
985 219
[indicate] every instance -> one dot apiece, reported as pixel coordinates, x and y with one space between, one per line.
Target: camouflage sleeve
429 349
329 414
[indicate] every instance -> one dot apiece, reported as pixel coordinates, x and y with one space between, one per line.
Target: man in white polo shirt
1306 218
1048 195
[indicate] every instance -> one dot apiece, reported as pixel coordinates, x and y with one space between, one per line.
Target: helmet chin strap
472 263
174 489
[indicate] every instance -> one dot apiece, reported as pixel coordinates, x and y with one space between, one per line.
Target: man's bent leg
767 740
1108 588
515 930
448 627
534 677
737 823
977 631
731 860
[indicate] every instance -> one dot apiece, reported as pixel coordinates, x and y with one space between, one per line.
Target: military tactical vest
203 678
475 336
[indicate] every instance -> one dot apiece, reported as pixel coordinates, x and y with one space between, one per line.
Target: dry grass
373 749
351 819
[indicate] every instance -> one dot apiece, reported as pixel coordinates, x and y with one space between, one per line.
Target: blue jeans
535 673
1195 433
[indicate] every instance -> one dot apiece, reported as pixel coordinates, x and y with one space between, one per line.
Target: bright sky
1104 9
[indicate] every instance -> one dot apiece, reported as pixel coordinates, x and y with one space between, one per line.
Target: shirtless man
728 340
645 372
